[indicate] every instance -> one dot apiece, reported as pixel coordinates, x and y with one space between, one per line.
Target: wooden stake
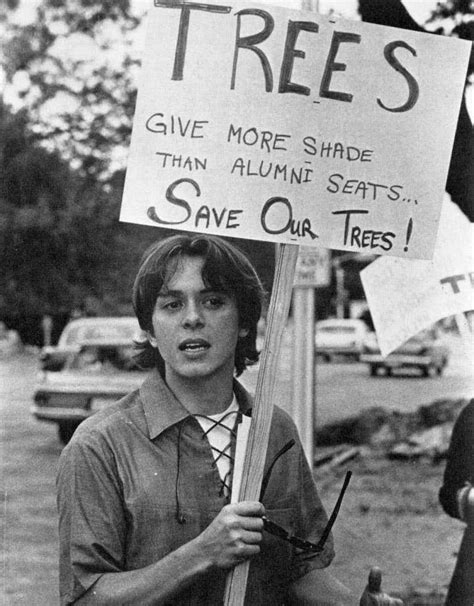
303 396
263 407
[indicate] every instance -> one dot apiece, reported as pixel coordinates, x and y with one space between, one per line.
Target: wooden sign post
264 397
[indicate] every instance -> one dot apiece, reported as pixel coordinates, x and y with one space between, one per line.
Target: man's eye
172 305
214 302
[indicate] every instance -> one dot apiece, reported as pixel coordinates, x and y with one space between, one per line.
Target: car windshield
116 358
101 332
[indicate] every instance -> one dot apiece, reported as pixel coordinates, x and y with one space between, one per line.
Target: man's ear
151 338
243 332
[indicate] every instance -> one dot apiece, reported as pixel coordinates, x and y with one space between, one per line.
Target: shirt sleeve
91 516
459 470
291 485
311 524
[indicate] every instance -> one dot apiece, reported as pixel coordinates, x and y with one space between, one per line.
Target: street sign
313 267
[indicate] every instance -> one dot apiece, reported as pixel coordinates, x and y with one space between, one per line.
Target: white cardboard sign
406 295
280 125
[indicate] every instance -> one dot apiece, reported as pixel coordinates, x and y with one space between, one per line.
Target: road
31 450
343 389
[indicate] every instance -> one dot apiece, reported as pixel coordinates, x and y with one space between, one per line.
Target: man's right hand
234 535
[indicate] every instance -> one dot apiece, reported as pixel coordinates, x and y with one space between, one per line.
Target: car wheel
66 430
388 371
374 369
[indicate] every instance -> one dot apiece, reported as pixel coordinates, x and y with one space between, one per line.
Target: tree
72 74
61 244
74 68
60 240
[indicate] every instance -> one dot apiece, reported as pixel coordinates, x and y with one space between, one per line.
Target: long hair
225 268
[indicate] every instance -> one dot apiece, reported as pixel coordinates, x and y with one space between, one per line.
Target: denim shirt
138 480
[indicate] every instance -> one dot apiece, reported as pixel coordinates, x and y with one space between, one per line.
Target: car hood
77 382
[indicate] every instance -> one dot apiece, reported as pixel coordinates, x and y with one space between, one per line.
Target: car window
114 331
423 336
71 336
103 359
109 331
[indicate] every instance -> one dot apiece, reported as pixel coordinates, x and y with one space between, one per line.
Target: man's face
195 328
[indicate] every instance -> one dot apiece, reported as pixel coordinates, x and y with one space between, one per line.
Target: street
31 450
344 389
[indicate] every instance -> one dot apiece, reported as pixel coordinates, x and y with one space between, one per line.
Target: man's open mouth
194 345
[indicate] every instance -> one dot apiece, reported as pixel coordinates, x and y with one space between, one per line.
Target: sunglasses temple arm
335 511
266 479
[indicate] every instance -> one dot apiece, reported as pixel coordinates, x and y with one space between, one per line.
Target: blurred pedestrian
457 499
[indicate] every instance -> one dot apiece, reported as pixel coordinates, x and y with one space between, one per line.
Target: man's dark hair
225 269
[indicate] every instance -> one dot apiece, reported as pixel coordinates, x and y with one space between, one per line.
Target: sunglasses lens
274 529
280 532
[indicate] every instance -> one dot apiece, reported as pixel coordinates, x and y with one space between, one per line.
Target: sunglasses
307 546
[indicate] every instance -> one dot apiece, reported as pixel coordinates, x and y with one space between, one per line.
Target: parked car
426 352
10 342
82 330
335 337
97 369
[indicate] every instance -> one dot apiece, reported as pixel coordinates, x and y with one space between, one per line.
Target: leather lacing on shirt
226 483
227 480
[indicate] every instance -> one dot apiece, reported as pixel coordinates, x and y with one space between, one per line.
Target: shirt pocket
154 531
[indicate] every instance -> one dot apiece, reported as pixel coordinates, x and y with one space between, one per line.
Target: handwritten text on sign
281 125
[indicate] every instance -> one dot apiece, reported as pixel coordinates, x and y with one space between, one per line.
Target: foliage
75 69
455 18
70 87
61 244
69 100
448 15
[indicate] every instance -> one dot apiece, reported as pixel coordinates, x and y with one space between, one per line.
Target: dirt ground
390 517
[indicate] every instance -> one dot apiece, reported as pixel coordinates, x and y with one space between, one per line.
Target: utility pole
339 289
307 277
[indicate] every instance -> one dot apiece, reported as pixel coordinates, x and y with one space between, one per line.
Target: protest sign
280 125
405 296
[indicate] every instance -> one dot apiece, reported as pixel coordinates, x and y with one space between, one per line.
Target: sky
419 9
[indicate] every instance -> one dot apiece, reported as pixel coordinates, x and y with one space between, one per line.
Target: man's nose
193 316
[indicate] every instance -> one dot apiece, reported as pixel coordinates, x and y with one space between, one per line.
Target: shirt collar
162 409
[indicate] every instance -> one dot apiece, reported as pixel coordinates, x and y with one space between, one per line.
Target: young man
143 486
